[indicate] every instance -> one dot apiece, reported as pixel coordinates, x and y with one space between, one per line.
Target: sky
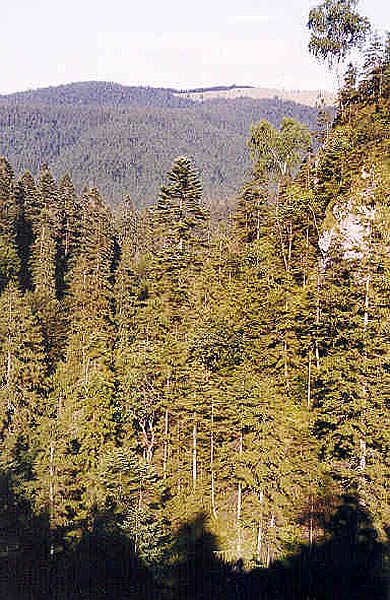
164 43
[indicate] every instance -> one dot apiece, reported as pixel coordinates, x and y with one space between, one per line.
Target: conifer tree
22 374
29 203
178 211
83 385
69 234
9 260
43 267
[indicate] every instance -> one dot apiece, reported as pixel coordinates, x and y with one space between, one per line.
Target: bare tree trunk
306 269
194 455
280 232
290 241
9 401
51 497
309 382
286 373
166 432
239 503
179 426
213 508
259 544
311 521
165 460
363 441
270 541
318 314
148 438
10 406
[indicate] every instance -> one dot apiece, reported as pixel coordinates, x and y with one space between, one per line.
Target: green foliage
124 142
184 391
178 212
278 153
23 373
336 28
9 259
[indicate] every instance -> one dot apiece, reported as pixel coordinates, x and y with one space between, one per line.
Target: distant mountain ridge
215 88
306 97
100 93
123 139
104 93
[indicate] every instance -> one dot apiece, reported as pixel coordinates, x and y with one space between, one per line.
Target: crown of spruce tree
178 210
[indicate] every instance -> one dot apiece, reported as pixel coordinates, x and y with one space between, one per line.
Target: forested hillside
188 413
124 139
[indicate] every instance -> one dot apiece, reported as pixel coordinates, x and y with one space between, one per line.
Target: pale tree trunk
318 313
51 497
272 528
85 360
258 221
283 249
179 429
194 455
311 521
148 438
309 381
290 241
213 507
166 432
259 543
363 441
257 231
306 270
10 406
285 354
239 503
220 261
9 400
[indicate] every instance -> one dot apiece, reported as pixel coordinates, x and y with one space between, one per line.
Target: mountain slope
123 140
97 93
306 97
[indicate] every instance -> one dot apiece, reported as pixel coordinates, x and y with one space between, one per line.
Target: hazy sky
169 43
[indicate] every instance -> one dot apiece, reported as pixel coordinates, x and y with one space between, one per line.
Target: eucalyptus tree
336 28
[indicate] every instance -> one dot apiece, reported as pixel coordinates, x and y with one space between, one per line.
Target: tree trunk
272 527
51 498
194 455
148 438
363 441
213 508
239 504
166 433
309 382
166 430
259 543
311 521
318 312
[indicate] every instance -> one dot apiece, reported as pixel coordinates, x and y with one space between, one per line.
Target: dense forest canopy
123 139
192 411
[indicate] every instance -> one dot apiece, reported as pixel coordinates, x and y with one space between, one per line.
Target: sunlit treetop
336 28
